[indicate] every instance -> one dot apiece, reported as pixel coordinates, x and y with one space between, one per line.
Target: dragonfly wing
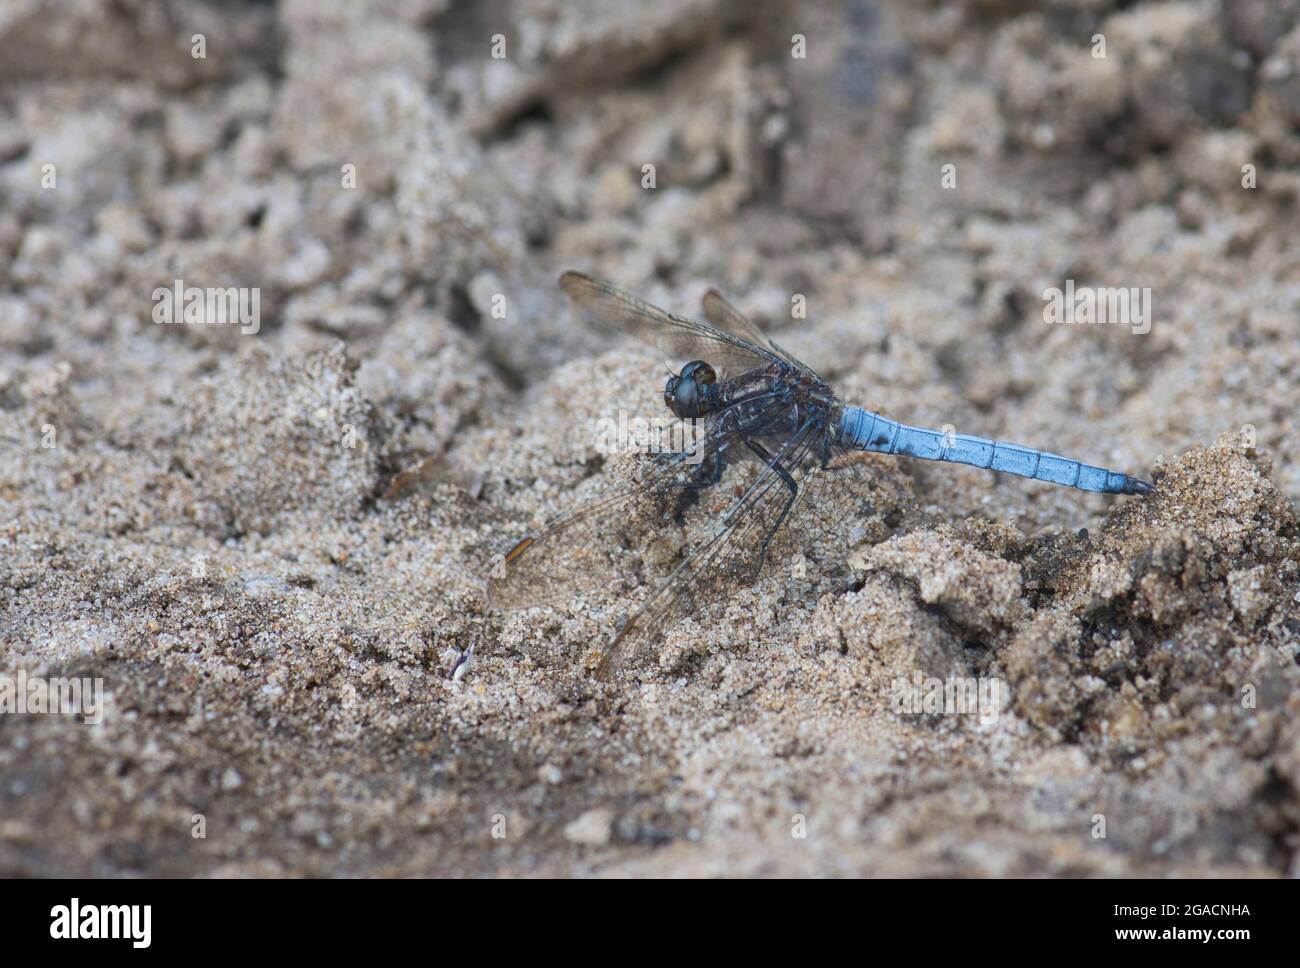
678 338
725 553
837 492
579 549
726 317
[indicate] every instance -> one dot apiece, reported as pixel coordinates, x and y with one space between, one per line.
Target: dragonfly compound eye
670 392
700 372
686 395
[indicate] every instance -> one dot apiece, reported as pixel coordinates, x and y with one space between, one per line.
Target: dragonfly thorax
693 392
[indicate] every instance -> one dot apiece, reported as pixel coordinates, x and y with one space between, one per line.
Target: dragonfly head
692 393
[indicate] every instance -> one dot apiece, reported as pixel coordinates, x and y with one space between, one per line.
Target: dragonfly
753 404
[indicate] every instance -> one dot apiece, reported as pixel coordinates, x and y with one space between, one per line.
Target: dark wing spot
518 550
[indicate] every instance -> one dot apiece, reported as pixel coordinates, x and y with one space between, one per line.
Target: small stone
592 829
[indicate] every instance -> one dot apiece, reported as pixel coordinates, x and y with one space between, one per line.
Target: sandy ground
270 546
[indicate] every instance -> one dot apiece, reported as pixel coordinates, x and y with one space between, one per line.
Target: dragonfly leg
713 474
708 473
790 483
824 450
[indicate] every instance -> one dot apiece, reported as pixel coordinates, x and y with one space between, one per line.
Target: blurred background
401 181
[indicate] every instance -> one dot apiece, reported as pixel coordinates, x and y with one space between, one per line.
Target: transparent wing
580 549
729 551
678 338
726 317
832 497
842 495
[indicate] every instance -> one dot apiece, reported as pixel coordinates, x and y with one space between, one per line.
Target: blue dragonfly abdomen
861 429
